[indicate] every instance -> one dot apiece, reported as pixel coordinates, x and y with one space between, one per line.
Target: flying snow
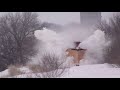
52 43
95 45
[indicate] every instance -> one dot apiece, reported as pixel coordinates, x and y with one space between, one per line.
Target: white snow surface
4 73
83 71
93 71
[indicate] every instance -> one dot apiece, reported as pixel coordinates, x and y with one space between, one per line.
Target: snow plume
57 43
76 32
95 45
51 42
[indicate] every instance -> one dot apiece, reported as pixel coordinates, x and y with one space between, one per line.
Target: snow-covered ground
93 71
83 71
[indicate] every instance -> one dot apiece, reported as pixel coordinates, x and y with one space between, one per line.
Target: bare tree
16 38
112 32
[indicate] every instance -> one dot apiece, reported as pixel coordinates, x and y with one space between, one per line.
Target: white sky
64 17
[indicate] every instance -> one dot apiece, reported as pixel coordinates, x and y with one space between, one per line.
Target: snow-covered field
83 71
93 71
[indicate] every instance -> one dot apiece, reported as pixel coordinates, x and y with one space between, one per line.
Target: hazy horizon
64 17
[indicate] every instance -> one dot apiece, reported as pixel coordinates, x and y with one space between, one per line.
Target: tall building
90 18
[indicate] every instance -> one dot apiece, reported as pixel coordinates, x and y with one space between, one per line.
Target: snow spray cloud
53 42
50 42
91 39
76 32
95 45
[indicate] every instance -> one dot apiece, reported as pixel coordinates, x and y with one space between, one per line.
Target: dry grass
35 68
13 71
5 76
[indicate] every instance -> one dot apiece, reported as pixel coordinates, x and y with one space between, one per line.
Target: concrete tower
90 18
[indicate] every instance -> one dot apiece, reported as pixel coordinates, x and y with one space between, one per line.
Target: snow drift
84 71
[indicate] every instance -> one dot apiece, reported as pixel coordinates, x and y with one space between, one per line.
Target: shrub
13 71
35 68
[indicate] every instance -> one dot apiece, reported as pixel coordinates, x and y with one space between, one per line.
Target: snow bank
93 71
84 71
5 74
95 45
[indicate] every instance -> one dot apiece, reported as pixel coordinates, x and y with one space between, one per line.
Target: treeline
112 33
17 38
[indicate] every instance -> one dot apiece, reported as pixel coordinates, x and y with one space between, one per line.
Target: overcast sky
64 17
